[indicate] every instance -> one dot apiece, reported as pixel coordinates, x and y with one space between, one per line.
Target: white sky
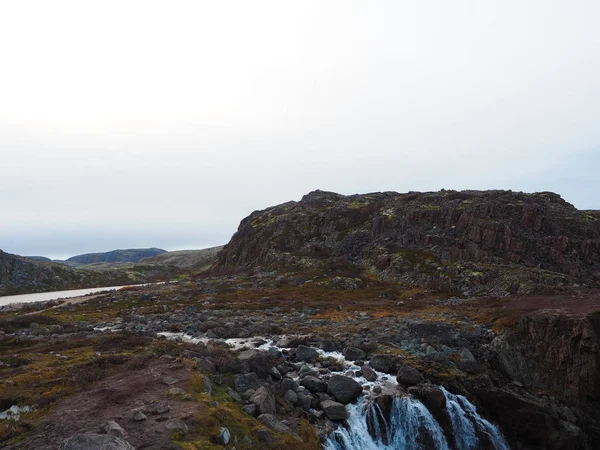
143 123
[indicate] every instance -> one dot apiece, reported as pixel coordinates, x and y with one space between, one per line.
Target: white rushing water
412 427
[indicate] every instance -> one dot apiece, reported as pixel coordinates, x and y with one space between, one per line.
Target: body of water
45 296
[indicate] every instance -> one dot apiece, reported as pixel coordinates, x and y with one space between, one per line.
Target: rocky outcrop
498 242
19 275
558 352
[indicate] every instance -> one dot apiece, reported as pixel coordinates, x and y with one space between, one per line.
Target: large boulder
93 441
257 361
408 376
306 354
382 363
353 353
334 410
344 389
264 400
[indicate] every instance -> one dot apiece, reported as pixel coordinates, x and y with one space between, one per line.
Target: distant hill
186 260
116 256
38 258
20 275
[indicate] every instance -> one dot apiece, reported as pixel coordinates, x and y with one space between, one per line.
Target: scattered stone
170 381
176 425
114 429
139 416
273 423
224 436
157 408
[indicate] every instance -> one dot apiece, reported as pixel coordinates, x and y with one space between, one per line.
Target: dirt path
117 398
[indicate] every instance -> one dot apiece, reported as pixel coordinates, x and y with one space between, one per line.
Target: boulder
382 363
306 354
408 376
224 436
257 361
114 429
353 353
93 441
368 373
344 389
334 410
273 423
264 400
313 384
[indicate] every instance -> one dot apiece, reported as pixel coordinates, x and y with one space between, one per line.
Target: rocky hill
22 275
115 256
471 242
187 260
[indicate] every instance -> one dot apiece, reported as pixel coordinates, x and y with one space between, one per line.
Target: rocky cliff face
21 275
475 242
560 353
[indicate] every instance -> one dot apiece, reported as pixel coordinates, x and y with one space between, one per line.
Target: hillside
188 260
115 256
470 242
22 275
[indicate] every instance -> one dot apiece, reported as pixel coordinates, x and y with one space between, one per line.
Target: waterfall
463 412
412 427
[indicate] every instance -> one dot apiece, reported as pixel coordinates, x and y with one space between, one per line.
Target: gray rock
306 354
353 353
264 400
343 389
408 376
466 355
304 401
139 416
273 423
93 441
313 384
234 395
176 425
224 436
291 397
334 410
245 382
157 408
287 384
382 363
114 429
368 373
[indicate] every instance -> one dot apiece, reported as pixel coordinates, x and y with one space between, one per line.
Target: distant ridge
116 256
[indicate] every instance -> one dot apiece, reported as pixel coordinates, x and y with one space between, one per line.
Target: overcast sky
140 123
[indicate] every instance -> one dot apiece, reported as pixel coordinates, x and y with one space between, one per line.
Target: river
45 296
